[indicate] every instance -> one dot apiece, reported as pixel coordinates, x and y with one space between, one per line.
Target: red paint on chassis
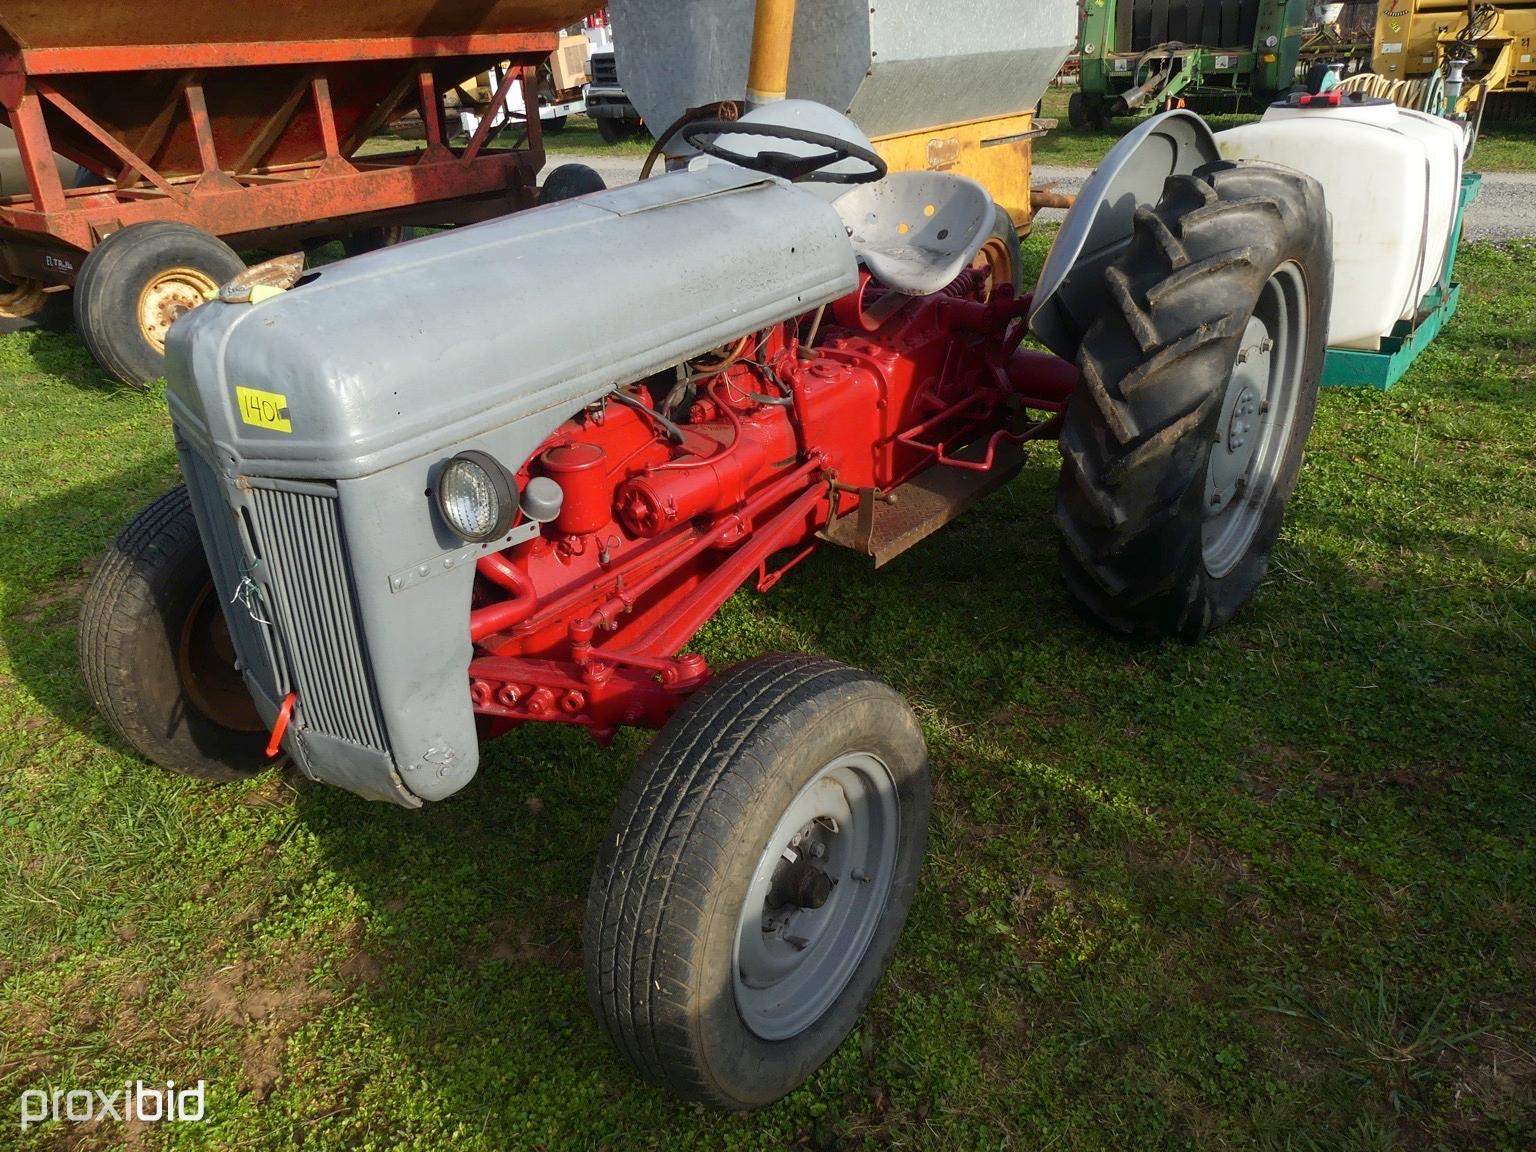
585 623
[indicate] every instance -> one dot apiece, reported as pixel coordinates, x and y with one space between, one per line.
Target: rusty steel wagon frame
254 142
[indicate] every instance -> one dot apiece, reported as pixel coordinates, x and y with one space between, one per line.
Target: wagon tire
569 181
373 239
723 971
57 313
26 299
156 656
133 286
1199 378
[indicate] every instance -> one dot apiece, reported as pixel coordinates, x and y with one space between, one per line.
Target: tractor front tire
1182 443
156 653
755 878
136 283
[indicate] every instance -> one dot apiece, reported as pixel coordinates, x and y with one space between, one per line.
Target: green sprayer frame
1354 368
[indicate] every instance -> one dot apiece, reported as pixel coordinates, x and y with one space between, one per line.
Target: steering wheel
782 164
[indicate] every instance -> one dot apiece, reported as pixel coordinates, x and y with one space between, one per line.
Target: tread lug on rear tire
714 970
1182 444
154 657
135 283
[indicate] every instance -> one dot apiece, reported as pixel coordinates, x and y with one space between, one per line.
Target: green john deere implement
1209 55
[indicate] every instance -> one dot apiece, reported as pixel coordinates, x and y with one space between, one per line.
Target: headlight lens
476 497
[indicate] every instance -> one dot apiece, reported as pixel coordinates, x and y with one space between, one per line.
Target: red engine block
667 513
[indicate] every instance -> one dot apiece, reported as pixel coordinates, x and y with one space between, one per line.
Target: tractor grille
227 554
605 70
314 610
1144 24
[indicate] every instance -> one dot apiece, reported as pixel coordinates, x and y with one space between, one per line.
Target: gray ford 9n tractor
395 542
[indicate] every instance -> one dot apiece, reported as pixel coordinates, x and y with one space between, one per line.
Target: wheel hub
1243 414
816 896
1254 426
1241 425
801 885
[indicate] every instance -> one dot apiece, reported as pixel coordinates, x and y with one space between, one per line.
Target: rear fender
1071 290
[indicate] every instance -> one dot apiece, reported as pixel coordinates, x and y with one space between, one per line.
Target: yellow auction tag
263 409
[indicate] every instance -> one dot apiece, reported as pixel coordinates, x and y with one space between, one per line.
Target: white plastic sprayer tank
1392 179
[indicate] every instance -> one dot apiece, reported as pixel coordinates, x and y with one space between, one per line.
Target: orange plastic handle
275 745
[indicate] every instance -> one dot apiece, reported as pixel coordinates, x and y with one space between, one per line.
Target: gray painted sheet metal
412 349
390 363
893 65
1071 291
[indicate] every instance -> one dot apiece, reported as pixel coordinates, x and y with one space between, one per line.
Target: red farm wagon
154 139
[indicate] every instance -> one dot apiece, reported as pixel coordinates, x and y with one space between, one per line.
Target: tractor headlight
476 497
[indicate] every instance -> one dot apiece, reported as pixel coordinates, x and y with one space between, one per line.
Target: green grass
1508 146
1503 147
1272 891
580 136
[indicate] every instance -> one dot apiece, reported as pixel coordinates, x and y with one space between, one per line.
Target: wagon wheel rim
1258 414
207 667
20 298
995 260
168 296
816 896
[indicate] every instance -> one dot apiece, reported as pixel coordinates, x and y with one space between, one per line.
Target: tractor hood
312 424
416 349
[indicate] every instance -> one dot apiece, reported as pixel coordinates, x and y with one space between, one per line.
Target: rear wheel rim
792 962
168 296
1258 413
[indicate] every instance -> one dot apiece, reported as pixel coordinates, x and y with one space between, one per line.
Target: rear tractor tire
755 879
1182 443
156 653
135 284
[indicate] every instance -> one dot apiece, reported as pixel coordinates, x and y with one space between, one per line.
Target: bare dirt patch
267 1008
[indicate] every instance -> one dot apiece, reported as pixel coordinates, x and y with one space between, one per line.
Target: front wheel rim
1258 413
837 839
208 667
